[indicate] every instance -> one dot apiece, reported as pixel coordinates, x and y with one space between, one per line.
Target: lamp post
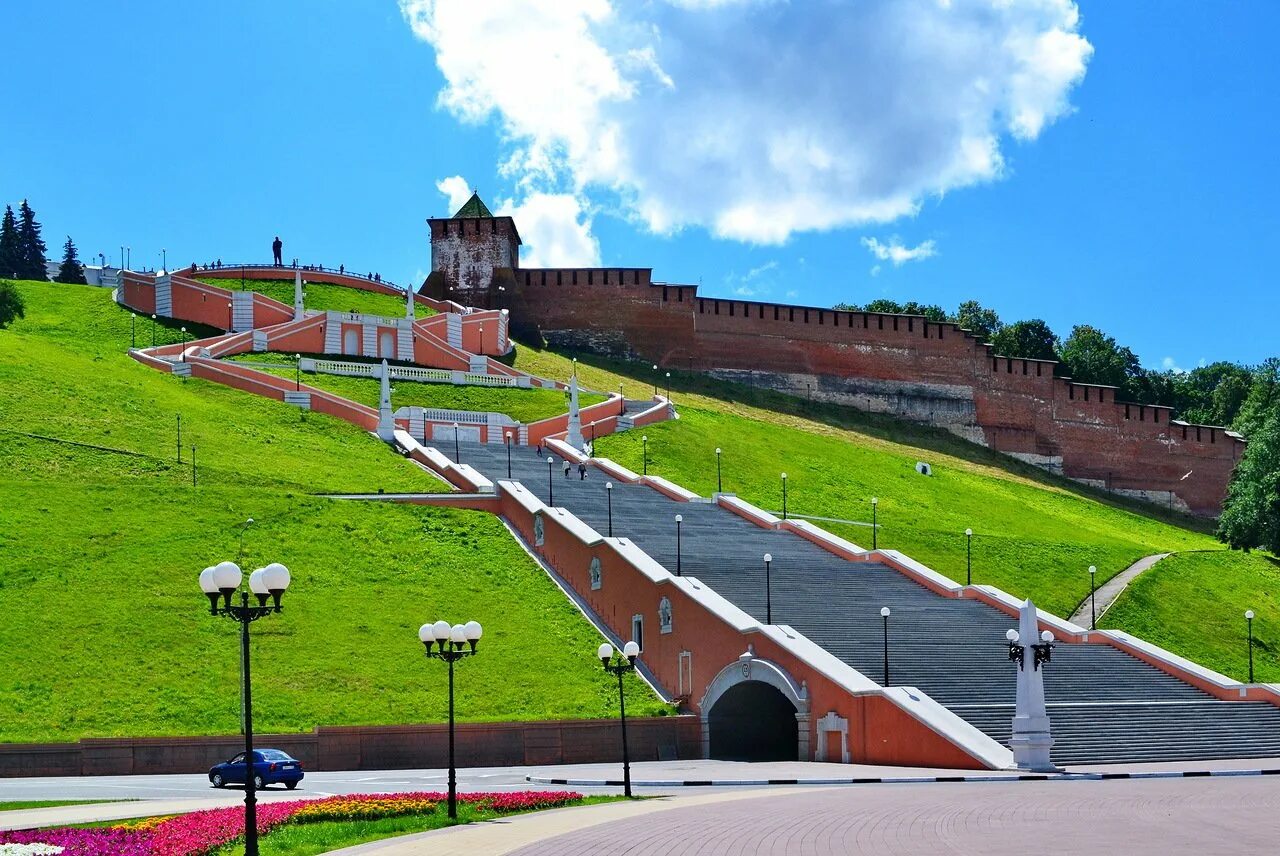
506 441
133 329
768 588
884 615
481 327
608 492
784 496
668 386
454 643
122 256
164 260
184 344
179 438
719 479
457 452
655 380
875 527
1248 617
153 329
644 443
679 520
231 317
968 557
551 482
1042 650
620 667
128 257
1093 599
219 583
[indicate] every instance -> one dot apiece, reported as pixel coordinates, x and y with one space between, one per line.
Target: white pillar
574 437
1031 739
408 307
386 422
297 295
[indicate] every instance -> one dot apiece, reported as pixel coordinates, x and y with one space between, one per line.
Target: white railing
414 373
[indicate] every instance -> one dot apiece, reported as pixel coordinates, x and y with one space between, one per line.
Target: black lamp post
551 483
719 479
133 329
668 386
457 452
679 520
968 557
184 344
620 667
179 438
608 492
454 643
1093 599
297 372
481 327
506 440
219 583
784 496
768 590
1248 617
655 380
884 614
875 528
1042 651
644 443
622 402
153 329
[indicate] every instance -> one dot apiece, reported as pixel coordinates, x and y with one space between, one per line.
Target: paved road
1111 589
1159 817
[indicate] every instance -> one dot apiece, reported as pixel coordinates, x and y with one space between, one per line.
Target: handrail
223 266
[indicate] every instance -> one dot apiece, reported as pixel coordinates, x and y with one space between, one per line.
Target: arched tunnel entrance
753 721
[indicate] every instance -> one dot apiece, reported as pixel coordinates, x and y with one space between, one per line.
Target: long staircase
1105 706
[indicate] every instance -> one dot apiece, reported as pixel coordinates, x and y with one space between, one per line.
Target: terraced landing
1105 705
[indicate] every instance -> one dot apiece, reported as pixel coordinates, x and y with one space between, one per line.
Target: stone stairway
1105 705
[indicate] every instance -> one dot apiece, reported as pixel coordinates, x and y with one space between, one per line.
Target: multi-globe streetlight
450 644
620 667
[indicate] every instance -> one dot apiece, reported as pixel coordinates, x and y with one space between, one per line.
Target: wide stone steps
1104 704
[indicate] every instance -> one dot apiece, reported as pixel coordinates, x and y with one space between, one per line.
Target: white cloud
894 251
457 190
1170 365
755 118
758 280
555 229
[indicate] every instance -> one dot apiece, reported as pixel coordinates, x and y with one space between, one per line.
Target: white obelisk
1031 739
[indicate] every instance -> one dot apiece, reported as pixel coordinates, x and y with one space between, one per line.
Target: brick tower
466 250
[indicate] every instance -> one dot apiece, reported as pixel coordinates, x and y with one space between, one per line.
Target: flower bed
201 832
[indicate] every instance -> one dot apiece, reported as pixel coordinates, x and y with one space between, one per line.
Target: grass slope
324 296
524 405
1194 603
105 631
1035 535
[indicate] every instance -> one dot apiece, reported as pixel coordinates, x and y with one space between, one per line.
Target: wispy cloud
896 252
758 280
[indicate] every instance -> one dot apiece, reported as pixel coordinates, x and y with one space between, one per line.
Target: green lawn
20 805
523 405
324 296
106 633
1194 604
1035 535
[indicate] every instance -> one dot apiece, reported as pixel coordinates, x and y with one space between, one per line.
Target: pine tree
71 271
10 255
30 246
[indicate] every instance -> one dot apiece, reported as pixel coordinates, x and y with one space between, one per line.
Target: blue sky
762 149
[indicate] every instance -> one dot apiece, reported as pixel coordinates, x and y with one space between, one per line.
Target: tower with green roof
466 250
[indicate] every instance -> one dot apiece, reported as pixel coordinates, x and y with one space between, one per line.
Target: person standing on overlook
276 247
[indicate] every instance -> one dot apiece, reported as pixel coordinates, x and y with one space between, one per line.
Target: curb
899 780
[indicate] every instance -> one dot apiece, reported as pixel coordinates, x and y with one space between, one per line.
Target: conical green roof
474 207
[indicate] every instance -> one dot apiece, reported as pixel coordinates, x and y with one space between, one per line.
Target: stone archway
754 710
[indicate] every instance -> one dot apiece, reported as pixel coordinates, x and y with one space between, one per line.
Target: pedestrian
276 246
582 471
342 268
566 469
538 450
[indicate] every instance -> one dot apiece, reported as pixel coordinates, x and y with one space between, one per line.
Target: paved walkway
1111 589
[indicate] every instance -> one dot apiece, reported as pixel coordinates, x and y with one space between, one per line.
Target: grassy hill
324 296
105 630
1035 534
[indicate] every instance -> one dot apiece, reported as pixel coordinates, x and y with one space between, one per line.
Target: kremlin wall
929 372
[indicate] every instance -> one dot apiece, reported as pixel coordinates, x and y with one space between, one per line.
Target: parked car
270 767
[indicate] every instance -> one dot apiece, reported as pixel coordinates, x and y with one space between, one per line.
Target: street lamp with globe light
630 652
219 583
454 643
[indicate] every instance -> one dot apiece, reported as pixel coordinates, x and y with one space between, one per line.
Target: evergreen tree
10 252
30 246
71 271
11 307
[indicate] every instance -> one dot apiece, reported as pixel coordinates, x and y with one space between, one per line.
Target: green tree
10 246
885 305
984 323
1026 339
1091 356
31 247
1212 394
71 271
11 307
1251 515
932 311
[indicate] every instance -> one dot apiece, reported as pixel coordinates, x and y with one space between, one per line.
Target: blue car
270 767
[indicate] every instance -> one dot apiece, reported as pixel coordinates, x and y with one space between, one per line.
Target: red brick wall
902 364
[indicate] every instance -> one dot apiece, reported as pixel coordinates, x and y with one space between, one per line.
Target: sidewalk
68 815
